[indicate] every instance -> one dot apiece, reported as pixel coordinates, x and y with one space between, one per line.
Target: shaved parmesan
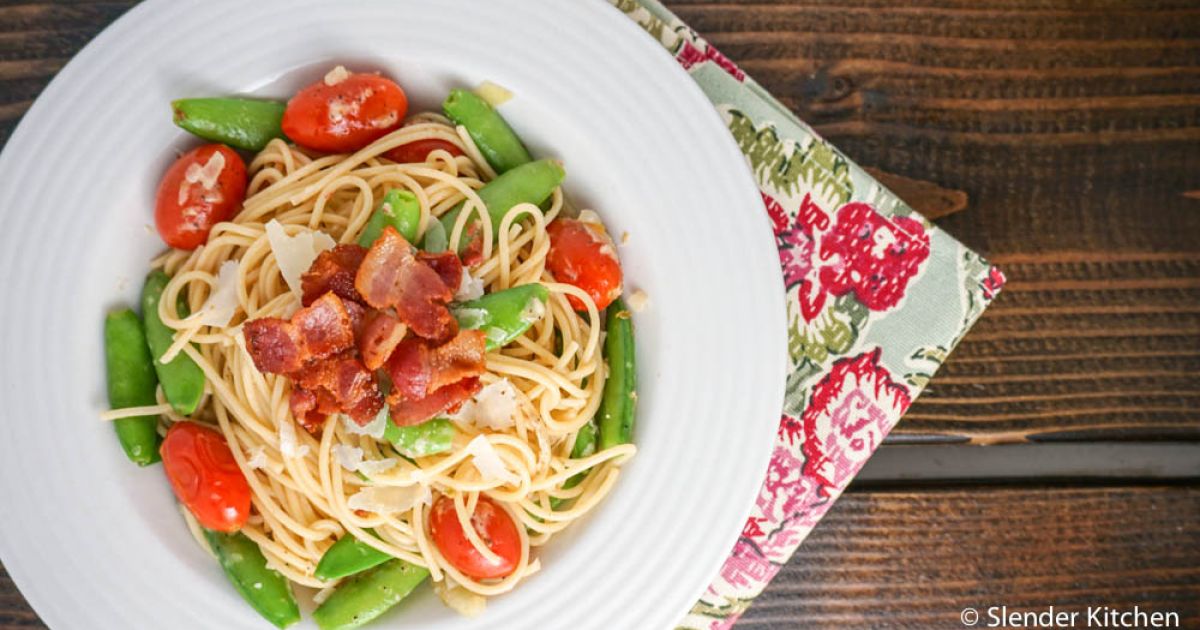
350 457
494 407
222 303
471 288
471 318
534 310
376 466
320 596
288 446
389 499
638 300
590 217
206 175
374 428
336 76
487 461
295 254
258 458
495 94
459 599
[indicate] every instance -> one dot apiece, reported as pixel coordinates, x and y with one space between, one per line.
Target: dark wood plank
1074 130
915 559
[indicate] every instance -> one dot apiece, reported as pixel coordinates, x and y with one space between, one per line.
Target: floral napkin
877 297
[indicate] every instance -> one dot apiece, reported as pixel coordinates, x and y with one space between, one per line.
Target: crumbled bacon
331 347
333 270
447 265
427 380
445 399
392 277
379 337
280 346
342 383
472 250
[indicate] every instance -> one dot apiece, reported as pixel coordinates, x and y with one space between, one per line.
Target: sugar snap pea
182 380
265 589
399 209
503 315
532 182
493 136
368 595
419 440
348 556
616 412
131 383
239 122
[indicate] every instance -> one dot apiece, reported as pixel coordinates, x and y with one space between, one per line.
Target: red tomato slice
205 476
582 254
345 116
493 525
417 152
202 188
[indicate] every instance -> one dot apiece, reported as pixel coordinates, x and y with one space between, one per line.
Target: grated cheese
258 458
295 254
471 288
206 176
288 445
336 76
638 300
388 499
487 461
350 457
494 93
374 428
222 303
494 407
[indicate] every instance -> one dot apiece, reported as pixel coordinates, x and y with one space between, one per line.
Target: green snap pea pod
620 390
428 438
585 445
239 122
399 209
265 589
496 140
182 380
532 182
368 595
435 238
503 315
348 556
131 383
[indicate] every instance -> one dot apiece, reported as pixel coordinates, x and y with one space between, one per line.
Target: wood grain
915 559
1074 129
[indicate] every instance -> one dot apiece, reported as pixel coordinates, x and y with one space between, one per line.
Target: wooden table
1062 139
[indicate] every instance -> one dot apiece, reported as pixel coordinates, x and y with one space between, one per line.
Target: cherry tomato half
582 254
344 114
202 188
205 477
417 152
493 525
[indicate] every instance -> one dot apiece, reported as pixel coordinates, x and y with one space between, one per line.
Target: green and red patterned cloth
877 298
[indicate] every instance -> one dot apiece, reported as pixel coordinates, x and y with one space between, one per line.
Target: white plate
94 542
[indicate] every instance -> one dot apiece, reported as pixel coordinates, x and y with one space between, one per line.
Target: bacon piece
274 345
358 316
445 399
447 265
472 250
427 380
333 270
325 326
379 337
279 346
418 369
391 276
304 405
344 384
